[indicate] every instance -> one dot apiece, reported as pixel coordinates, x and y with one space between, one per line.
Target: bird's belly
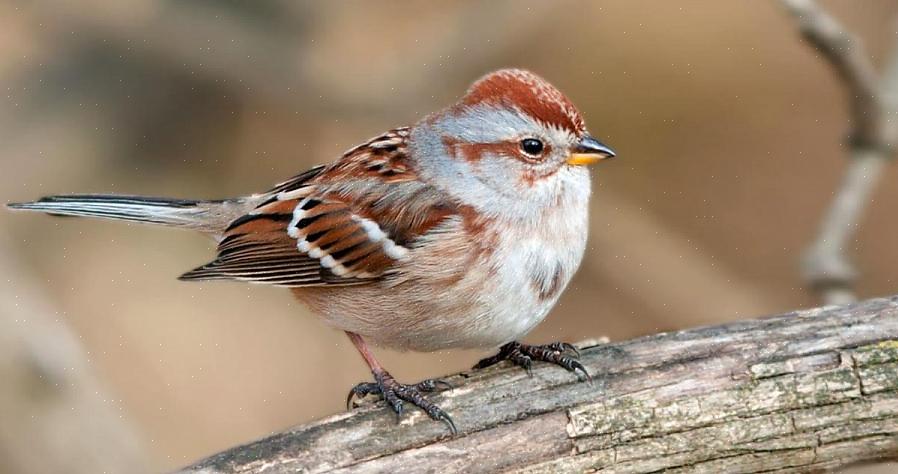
422 317
484 306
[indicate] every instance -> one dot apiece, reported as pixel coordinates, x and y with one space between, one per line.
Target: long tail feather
206 216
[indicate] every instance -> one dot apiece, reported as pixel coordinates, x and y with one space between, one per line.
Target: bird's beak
589 151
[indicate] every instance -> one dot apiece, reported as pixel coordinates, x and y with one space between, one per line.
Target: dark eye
532 146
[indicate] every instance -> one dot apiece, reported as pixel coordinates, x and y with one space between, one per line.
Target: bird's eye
532 146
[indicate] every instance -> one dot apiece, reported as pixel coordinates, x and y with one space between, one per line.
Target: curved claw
437 413
575 365
360 391
445 419
398 407
349 400
527 364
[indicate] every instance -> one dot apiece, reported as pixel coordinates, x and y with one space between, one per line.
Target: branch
807 391
872 99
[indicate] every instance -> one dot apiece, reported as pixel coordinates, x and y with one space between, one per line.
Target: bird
459 231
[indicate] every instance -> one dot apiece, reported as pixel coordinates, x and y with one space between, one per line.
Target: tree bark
804 391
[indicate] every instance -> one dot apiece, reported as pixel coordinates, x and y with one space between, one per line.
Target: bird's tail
206 216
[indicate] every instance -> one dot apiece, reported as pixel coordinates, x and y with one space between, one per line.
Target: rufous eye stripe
474 152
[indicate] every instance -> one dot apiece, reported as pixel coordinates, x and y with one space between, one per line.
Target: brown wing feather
345 224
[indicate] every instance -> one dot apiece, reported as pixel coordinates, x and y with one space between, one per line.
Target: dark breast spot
547 284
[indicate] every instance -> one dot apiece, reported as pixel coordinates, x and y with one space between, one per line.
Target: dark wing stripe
340 237
307 221
236 250
309 203
339 244
364 245
278 273
296 182
326 221
253 217
258 255
264 265
311 238
284 272
231 241
368 262
358 252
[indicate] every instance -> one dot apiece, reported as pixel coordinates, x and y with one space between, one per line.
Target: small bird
460 231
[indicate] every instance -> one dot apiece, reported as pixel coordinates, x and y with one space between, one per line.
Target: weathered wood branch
799 392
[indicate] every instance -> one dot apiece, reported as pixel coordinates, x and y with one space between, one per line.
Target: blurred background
731 134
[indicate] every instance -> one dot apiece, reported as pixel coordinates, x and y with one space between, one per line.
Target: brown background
730 130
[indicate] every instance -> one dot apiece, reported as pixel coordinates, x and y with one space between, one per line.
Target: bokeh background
731 134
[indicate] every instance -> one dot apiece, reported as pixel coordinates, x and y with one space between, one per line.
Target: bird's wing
344 224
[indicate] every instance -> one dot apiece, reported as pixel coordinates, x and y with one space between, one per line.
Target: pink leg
363 349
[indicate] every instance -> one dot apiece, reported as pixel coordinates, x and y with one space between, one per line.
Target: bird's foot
558 353
395 394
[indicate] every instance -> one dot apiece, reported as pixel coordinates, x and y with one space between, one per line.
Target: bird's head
512 139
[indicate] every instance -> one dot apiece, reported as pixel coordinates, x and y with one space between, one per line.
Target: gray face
479 150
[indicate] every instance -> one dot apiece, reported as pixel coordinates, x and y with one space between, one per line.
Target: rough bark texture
798 392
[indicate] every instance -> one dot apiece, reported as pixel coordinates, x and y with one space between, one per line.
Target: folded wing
349 223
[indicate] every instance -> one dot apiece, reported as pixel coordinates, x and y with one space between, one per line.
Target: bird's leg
393 392
558 353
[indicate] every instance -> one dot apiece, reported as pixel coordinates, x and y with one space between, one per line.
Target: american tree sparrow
460 231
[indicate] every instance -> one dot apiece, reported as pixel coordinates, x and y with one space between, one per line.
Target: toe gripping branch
395 394
558 353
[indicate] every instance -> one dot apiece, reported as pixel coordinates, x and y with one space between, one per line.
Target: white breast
534 265
504 297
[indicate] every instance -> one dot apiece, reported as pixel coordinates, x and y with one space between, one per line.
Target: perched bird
460 231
